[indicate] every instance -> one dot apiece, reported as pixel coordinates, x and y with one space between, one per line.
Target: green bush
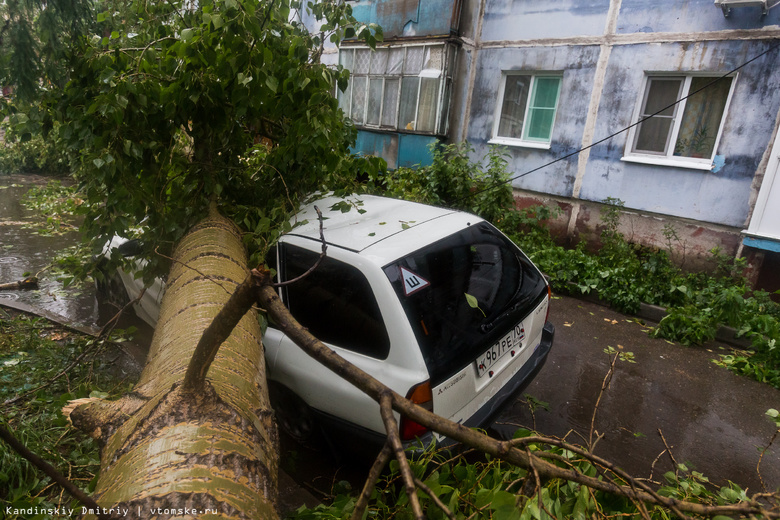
455 181
32 154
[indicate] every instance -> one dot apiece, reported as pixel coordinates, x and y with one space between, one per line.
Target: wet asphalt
711 419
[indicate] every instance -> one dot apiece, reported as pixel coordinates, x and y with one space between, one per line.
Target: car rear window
335 302
462 293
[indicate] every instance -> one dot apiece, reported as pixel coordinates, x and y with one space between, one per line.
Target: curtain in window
395 61
344 97
653 134
513 107
358 99
397 87
390 105
414 60
701 118
375 87
429 97
362 61
407 119
379 62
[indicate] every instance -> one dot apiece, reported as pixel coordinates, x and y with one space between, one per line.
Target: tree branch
373 475
317 263
218 331
393 438
50 471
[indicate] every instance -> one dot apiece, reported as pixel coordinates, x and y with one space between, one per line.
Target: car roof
381 227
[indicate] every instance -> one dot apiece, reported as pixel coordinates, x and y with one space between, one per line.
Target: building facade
671 107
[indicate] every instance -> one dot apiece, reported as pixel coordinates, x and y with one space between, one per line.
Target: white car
435 303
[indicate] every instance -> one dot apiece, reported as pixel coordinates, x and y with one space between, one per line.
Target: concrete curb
655 314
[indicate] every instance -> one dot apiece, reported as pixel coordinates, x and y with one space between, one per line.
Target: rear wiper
487 327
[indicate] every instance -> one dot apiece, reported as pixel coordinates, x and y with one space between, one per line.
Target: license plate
512 340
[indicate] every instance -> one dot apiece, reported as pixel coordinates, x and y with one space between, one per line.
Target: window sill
389 130
694 164
519 144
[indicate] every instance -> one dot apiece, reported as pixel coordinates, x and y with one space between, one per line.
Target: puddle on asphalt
24 252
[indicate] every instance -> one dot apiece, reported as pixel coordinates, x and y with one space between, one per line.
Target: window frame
669 158
375 347
542 144
443 87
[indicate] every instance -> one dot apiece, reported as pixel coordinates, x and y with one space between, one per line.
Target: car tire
293 415
110 288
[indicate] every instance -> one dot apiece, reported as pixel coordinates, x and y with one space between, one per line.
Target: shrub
32 154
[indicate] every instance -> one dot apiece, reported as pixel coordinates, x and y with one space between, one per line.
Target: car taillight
421 395
549 299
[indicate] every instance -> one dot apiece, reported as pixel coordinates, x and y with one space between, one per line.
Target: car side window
335 302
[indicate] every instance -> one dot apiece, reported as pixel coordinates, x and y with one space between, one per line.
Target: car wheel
293 415
110 288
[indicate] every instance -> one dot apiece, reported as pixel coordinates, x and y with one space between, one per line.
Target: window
527 111
399 88
478 261
680 131
335 302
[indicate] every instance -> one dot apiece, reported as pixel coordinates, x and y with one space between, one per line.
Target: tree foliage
173 104
34 40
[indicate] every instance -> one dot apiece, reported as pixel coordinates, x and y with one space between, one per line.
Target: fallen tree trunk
209 448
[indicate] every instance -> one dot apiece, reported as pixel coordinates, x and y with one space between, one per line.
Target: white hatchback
435 303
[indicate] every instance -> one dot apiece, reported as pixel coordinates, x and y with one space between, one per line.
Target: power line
607 138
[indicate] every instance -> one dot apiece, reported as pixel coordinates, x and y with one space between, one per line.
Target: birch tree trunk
209 452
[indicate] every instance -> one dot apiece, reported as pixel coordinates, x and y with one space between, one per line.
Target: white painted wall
765 222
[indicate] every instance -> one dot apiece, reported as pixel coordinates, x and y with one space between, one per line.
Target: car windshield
462 293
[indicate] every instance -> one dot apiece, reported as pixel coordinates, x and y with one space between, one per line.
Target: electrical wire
497 185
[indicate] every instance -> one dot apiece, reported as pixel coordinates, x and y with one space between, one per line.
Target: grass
42 367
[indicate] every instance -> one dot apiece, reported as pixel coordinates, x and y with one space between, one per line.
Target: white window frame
669 159
523 142
444 77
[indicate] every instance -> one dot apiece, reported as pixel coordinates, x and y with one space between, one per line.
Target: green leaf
272 83
187 34
472 301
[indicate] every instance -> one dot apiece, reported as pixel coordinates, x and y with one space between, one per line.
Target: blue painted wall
721 197
529 20
398 149
660 36
414 150
578 66
690 16
406 18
